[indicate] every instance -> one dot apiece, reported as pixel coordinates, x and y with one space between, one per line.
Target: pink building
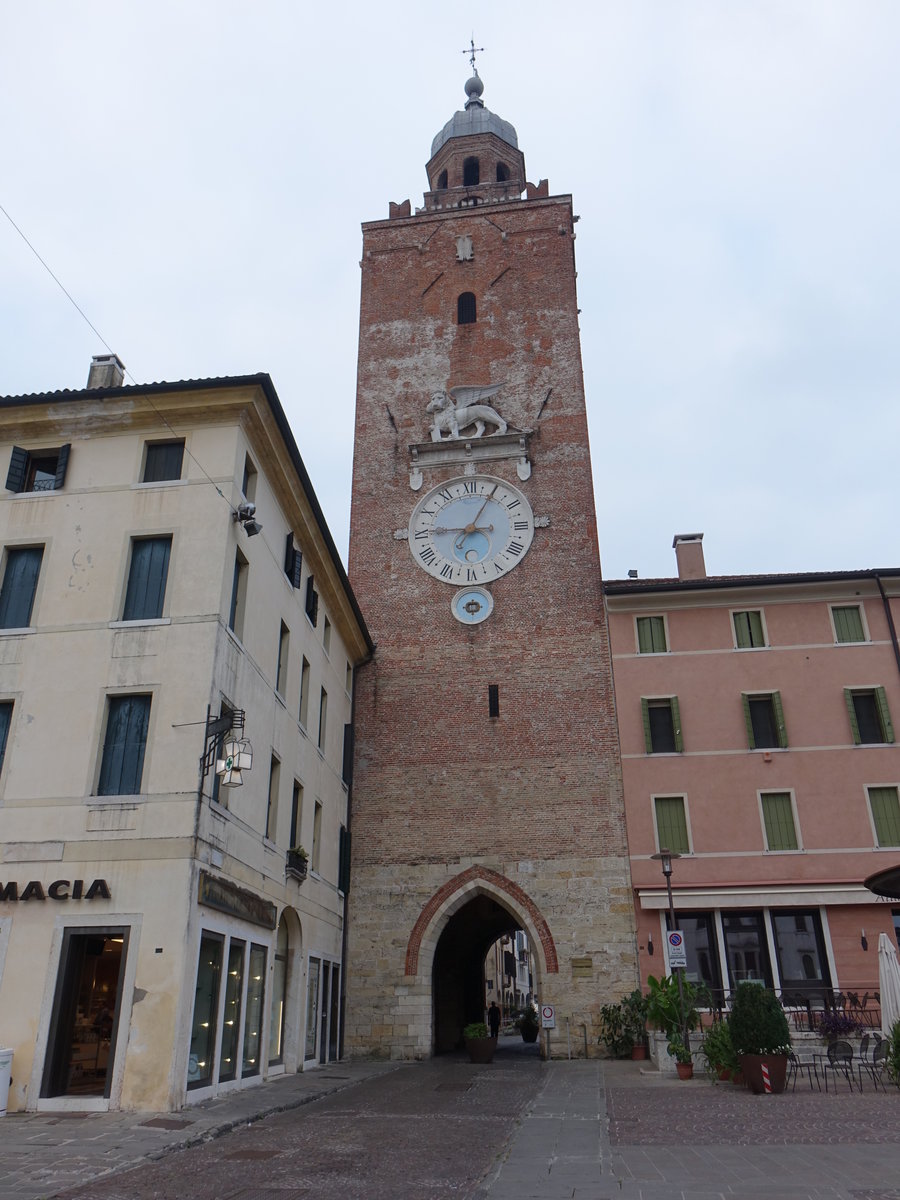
756 716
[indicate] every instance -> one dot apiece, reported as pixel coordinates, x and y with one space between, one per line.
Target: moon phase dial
471 531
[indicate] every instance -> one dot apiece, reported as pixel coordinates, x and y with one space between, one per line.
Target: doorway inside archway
462 956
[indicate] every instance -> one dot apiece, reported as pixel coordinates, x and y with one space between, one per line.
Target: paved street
518 1129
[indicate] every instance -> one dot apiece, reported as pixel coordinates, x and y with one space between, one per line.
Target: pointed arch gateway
446 947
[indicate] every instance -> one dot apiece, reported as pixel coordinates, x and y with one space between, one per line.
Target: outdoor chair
796 1065
876 1066
839 1058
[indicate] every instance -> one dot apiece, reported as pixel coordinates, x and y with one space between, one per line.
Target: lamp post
665 859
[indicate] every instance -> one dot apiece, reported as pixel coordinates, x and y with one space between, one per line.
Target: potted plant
614 1031
297 863
761 1037
528 1024
892 1062
635 1006
674 1010
718 1050
833 1026
479 1043
684 1063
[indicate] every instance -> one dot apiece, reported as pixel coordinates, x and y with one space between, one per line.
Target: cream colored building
158 942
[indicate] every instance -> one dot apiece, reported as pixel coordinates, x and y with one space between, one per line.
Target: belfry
487 793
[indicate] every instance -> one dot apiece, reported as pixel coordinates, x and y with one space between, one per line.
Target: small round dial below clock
471 530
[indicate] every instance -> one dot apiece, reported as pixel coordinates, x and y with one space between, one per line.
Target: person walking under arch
494 1019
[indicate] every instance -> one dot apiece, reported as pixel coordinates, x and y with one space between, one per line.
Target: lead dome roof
475 119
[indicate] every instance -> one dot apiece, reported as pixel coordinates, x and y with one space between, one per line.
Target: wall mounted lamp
650 944
863 940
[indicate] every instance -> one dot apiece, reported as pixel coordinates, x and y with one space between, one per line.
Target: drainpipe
890 620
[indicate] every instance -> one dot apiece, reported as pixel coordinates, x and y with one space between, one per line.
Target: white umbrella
888 983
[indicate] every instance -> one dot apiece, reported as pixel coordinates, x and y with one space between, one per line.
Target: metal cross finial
472 51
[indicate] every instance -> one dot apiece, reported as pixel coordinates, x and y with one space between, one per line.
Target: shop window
749 633
778 821
163 461
466 309
20 578
278 1005
701 947
122 765
147 576
800 951
238 605
253 1018
206 1011
662 725
764 718
651 635
671 824
746 950
231 1017
848 623
37 470
885 806
867 708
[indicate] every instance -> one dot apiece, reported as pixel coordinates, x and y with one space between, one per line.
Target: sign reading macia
60 889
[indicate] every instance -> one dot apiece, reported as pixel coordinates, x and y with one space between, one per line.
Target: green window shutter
645 715
851 713
778 817
756 629
676 724
671 824
751 740
779 720
884 714
748 630
18 469
886 815
651 635
848 626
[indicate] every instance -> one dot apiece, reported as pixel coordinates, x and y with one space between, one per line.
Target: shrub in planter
833 1026
684 1063
760 1033
893 1058
675 1014
614 1031
479 1043
528 1024
718 1050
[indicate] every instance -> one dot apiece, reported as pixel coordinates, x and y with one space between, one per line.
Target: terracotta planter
738 1078
638 1052
723 1073
751 1067
481 1050
685 1070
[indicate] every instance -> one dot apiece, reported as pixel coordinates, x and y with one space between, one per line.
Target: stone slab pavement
518 1129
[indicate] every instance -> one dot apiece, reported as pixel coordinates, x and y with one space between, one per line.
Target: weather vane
471 52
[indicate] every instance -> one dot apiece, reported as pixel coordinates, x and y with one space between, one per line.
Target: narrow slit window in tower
465 309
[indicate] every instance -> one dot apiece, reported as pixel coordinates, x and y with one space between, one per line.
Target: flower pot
685 1070
737 1078
638 1052
751 1066
481 1050
723 1073
530 1035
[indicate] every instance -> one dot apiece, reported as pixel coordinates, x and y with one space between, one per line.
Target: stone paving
518 1129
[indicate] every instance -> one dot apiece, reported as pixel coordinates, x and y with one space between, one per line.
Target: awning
885 883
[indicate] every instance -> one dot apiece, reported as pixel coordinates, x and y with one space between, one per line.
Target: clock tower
487 790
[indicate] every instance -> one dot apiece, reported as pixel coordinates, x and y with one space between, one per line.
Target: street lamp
665 859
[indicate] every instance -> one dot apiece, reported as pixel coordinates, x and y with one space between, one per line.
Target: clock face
471 530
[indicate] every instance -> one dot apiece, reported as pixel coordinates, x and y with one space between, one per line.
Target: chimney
689 555
107 371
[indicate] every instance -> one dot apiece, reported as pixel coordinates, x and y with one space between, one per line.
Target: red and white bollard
767 1082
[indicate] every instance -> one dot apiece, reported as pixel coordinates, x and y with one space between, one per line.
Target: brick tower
487 790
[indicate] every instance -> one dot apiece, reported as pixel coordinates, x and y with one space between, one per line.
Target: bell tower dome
475 159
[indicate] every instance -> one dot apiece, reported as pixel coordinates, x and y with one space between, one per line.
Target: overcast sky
196 173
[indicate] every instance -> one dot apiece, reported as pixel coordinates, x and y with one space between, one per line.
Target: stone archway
446 949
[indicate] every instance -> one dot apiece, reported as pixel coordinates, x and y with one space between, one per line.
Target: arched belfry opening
458 972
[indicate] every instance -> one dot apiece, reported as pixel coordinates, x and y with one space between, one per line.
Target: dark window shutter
493 699
123 750
147 579
19 585
289 554
163 461
344 861
18 470
347 758
312 601
62 463
6 709
297 568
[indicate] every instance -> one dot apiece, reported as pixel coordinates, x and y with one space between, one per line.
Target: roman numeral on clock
520 524
447 571
427 555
